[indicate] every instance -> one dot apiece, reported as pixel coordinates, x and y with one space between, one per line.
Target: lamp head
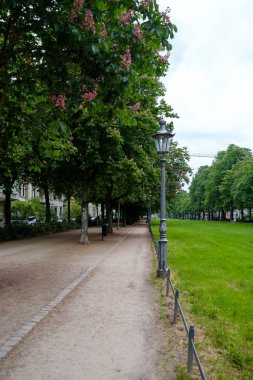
163 138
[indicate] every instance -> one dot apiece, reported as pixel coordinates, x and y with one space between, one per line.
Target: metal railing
192 351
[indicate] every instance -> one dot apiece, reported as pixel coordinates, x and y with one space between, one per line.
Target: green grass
213 263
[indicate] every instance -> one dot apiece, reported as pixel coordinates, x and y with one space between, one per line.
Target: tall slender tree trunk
109 210
69 215
84 239
124 216
47 200
118 216
97 215
102 212
231 215
7 205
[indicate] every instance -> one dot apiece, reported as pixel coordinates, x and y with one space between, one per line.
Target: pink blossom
145 3
137 32
73 15
125 17
161 48
136 106
89 96
103 32
59 101
165 58
126 59
89 21
78 4
166 17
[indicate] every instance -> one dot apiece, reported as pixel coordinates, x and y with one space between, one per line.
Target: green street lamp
163 139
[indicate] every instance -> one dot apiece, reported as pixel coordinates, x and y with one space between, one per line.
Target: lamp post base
159 273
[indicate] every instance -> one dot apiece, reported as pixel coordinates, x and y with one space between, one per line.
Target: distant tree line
220 189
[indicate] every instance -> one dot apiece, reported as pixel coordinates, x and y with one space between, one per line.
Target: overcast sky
210 80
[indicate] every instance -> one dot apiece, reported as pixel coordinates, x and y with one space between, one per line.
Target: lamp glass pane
161 144
165 144
157 145
169 142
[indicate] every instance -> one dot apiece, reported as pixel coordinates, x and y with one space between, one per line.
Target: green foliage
178 170
226 184
32 207
242 183
75 210
24 230
81 97
181 206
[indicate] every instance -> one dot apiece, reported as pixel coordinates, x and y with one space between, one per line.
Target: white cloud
210 81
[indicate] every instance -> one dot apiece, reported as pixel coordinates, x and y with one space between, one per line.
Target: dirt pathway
80 312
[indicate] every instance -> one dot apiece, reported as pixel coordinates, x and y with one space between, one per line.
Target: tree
95 64
22 210
221 181
177 172
181 206
198 190
242 185
220 187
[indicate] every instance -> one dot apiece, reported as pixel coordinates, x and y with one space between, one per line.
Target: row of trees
80 98
221 188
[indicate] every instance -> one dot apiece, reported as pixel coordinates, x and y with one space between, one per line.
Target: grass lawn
213 265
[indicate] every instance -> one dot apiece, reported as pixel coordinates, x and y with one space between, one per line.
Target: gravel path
80 312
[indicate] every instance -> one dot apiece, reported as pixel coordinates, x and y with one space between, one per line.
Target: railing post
168 282
176 305
190 349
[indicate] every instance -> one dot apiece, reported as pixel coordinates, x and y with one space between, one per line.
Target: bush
23 230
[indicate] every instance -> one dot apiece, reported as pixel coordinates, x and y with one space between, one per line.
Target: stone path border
27 327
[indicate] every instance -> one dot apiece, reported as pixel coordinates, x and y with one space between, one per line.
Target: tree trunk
118 215
231 216
47 200
97 215
7 205
102 212
84 226
242 215
109 210
69 215
124 216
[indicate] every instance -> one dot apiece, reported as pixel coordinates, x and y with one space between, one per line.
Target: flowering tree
96 65
128 45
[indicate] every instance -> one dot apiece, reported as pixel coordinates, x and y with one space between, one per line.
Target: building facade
24 192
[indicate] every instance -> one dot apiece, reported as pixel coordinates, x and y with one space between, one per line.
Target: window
21 190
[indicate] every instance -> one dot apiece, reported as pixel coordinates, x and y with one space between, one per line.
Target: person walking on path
80 312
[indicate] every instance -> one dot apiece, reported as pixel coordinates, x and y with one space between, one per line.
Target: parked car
33 220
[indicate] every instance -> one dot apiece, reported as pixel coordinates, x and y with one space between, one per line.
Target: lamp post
163 139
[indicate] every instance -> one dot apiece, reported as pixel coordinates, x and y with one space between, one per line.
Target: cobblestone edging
27 327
